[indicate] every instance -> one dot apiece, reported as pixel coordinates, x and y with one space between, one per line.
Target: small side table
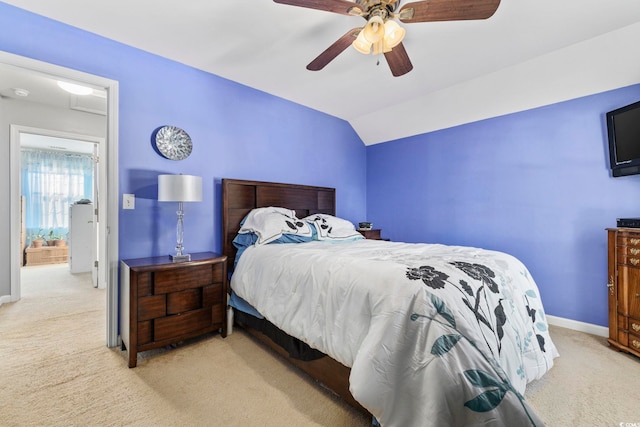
373 234
164 302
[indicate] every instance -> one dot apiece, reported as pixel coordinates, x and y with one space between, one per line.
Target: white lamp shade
179 188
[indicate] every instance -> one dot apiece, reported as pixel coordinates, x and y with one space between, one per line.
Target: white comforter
434 335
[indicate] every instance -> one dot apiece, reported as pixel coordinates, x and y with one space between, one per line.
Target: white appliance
81 238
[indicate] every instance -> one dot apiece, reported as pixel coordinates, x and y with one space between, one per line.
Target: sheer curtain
51 182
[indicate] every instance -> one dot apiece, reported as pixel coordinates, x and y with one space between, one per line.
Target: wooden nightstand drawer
175 327
152 307
164 302
182 278
178 302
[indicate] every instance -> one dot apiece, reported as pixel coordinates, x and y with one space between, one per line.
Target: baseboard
589 328
5 298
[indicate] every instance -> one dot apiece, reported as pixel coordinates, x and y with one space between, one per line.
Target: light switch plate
128 201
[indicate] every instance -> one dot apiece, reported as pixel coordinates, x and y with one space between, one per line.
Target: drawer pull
634 251
635 327
634 241
634 261
636 344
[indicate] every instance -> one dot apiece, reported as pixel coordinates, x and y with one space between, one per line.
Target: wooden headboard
240 196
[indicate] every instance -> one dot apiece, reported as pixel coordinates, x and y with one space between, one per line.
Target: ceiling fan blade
447 10
334 50
343 7
398 61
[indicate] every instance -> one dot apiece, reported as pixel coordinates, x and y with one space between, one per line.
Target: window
51 182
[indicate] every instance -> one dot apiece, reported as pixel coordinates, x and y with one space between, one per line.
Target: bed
438 335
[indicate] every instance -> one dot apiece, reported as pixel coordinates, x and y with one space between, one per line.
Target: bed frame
239 197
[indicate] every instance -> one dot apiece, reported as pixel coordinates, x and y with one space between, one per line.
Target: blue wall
535 184
237 132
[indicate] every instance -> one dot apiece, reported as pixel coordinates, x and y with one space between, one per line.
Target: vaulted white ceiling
463 71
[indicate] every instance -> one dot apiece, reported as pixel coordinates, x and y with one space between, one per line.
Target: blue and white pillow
329 227
271 223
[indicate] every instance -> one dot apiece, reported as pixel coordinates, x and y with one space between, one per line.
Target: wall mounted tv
623 126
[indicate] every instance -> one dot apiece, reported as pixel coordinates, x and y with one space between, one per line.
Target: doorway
107 178
60 203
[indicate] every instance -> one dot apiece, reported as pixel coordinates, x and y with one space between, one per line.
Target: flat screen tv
623 126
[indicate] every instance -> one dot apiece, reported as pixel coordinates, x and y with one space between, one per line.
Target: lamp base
181 258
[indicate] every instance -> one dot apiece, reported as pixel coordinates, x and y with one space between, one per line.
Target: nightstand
371 234
164 302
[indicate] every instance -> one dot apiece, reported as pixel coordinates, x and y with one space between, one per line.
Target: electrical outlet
128 201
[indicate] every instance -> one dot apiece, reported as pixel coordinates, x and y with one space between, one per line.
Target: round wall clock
173 143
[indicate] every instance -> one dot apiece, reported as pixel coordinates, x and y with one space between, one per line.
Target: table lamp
179 188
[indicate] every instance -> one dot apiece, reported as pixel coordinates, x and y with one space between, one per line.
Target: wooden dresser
624 289
162 302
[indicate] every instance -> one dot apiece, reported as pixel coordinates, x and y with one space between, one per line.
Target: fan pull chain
378 48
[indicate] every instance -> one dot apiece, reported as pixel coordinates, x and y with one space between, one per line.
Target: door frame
111 185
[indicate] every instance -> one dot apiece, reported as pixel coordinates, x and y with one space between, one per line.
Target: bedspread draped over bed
434 335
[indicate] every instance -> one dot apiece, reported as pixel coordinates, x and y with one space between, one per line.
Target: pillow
271 223
329 227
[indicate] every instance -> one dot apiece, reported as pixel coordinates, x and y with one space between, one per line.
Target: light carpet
56 371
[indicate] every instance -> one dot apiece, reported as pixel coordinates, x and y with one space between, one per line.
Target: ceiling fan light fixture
394 34
374 30
361 44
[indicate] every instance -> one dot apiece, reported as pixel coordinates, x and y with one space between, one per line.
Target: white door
96 210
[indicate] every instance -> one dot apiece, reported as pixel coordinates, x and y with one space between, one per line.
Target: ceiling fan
381 33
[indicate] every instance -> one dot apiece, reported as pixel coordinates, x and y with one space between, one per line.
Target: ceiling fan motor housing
383 8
